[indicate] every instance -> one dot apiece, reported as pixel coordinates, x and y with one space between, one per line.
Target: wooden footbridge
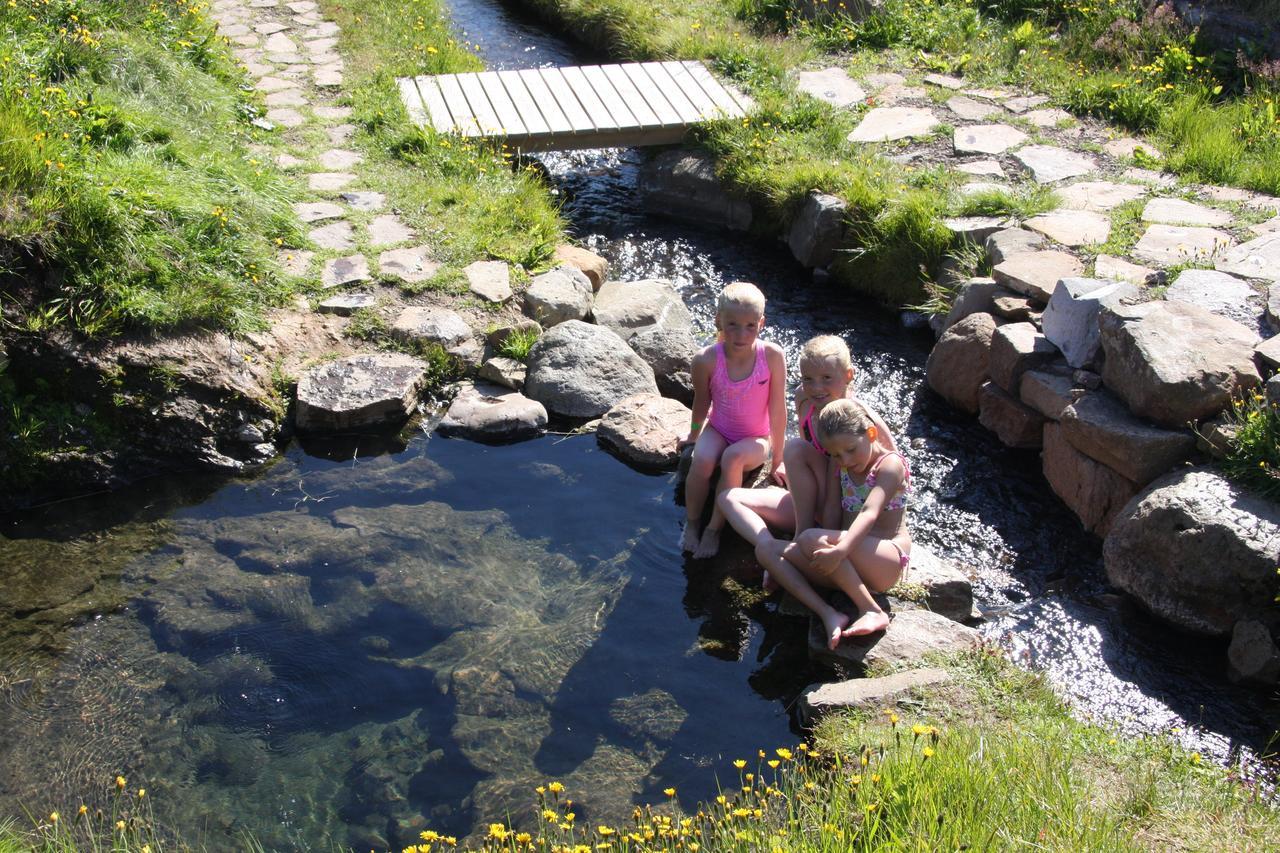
592 106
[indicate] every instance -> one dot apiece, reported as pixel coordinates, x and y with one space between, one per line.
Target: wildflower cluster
125 822
1252 424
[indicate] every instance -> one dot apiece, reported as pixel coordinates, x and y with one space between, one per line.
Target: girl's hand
686 441
827 558
778 475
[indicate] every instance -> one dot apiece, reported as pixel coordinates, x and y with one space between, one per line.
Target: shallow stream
371 633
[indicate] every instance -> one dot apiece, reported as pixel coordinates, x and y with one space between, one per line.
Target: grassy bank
991 760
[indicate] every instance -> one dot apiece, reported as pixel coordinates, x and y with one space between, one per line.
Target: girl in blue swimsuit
871 483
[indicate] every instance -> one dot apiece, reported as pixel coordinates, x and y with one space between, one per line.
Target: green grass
517 344
128 196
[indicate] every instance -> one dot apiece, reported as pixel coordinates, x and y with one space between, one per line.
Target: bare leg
876 564
706 453
737 459
780 558
754 513
806 476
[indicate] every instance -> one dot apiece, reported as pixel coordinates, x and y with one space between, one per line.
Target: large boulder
957 367
1036 274
431 325
626 306
670 352
593 266
1015 349
947 591
645 429
1175 363
1013 423
1071 320
684 185
974 296
359 391
485 411
1048 390
1094 492
1199 552
581 371
911 635
1099 426
563 293
818 229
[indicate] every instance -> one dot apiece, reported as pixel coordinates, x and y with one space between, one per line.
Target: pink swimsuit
740 409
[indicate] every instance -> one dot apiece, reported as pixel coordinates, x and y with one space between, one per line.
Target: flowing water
373 633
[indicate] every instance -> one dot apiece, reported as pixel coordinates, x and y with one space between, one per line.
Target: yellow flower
919 729
498 831
120 782
741 764
927 752
784 754
773 763
555 787
429 835
523 838
120 825
670 792
83 810
549 816
721 799
146 848
605 830
142 792
53 817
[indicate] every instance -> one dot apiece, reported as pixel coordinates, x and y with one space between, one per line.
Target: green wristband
694 426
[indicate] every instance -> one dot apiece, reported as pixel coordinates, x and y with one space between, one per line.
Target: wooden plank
706 107
486 116
441 119
608 95
717 92
463 119
532 119
541 94
413 101
560 89
644 114
666 114
508 115
600 116
670 90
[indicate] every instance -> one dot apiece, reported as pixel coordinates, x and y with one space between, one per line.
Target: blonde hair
741 295
843 417
827 347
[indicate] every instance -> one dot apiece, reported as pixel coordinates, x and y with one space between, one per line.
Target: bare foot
708 545
835 625
868 623
691 536
768 583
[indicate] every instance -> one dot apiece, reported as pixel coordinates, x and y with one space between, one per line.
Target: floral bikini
853 496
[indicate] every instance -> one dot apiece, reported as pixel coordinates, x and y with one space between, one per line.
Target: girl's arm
701 372
831 509
889 477
777 408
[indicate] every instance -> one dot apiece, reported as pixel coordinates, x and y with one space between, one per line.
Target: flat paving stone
945 81
295 262
340 158
1117 269
1051 117
408 265
1218 292
1036 274
1072 227
348 270
1049 163
340 134
285 58
286 117
336 236
280 43
981 167
287 98
832 85
1128 147
326 29
892 94
332 113
489 280
1024 103
249 40
980 187
331 61
318 211
364 200
1099 195
884 124
986 139
1149 176
388 230
988 94
329 181
288 161
327 78
346 304
233 30
262 4
294 73
1168 245
1258 201
273 84
258 69
321 45
270 28
971 110
1175 211
1269 227
884 80
302 7
1258 258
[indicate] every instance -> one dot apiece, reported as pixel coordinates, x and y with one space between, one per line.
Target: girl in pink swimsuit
740 383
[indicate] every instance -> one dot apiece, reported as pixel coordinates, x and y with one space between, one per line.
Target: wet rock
1170 245
1258 258
1099 195
1072 227
975 296
670 352
627 306
1013 423
986 138
654 715
431 325
1071 319
1036 274
645 428
818 700
1218 292
817 230
957 366
1094 492
593 266
1016 348
1252 655
683 185
912 634
947 591
884 124
1175 363
1099 426
1199 552
1048 390
1176 211
581 371
832 85
1116 269
482 410
1004 244
359 391
563 293
1049 164
490 280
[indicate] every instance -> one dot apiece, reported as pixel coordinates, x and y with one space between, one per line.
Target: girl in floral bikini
871 484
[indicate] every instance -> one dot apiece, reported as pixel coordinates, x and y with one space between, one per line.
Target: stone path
1003 140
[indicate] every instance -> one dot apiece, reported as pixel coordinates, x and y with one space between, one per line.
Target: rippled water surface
371 634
